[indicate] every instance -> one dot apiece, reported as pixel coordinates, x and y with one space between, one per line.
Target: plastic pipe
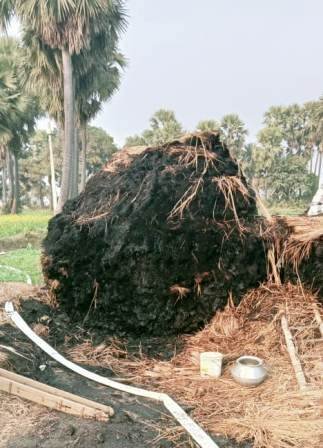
195 431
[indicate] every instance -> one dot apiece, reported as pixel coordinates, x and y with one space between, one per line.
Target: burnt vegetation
157 240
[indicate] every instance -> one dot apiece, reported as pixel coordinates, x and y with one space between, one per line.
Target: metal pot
249 371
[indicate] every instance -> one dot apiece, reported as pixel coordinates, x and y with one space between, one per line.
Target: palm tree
18 112
97 76
42 74
233 133
208 125
94 87
68 26
7 108
164 127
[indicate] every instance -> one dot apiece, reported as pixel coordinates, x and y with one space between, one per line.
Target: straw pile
298 246
157 240
275 414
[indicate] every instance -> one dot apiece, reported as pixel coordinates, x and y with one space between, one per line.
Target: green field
284 210
26 260
20 238
34 221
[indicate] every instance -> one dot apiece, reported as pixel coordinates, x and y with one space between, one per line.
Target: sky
207 58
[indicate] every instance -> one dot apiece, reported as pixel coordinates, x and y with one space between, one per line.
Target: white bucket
211 364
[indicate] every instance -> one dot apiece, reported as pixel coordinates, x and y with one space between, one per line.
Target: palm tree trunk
4 185
16 192
61 142
317 158
83 156
41 196
51 205
69 125
8 205
52 173
75 177
320 174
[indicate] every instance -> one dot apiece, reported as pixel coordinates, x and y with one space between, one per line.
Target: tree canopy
164 127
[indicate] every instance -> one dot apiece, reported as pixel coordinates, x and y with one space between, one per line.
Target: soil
157 241
136 423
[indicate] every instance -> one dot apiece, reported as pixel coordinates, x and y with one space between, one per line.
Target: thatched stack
299 242
158 239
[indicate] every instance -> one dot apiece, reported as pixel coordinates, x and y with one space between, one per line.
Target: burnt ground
136 423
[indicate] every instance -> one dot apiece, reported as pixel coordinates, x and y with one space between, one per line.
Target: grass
21 230
31 221
286 210
26 260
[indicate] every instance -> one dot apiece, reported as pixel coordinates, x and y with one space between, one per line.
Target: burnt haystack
158 239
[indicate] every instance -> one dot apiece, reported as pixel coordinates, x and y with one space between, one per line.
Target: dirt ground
136 423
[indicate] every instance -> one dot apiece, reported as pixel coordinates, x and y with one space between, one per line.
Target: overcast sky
207 58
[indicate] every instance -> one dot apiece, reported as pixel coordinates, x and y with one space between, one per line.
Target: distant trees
233 133
208 125
164 127
285 161
35 167
35 170
67 64
101 146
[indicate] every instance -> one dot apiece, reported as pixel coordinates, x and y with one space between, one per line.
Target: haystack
157 240
298 248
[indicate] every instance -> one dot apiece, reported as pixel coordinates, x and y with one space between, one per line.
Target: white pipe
195 431
28 278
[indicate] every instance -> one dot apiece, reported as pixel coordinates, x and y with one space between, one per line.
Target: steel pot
249 371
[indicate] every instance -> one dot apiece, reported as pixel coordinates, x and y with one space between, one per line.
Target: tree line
66 64
285 162
36 187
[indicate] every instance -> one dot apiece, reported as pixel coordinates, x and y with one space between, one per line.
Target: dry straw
275 414
295 237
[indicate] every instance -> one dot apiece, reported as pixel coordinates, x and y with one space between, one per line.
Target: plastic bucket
211 364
